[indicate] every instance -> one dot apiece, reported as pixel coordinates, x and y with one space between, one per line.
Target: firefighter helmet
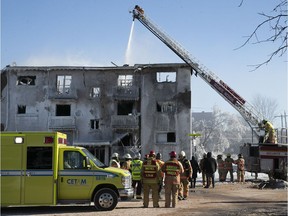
182 154
159 156
173 154
240 156
115 155
152 153
137 156
127 156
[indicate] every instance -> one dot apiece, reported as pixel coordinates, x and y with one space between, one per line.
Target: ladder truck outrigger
275 158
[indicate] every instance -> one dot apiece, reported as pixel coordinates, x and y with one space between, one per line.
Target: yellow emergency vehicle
38 168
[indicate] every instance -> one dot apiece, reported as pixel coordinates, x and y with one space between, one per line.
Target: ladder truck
246 110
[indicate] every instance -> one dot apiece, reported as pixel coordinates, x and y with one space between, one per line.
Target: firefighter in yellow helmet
172 169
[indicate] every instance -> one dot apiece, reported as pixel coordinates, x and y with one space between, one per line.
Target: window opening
63 110
94 92
94 124
125 108
166 77
64 84
125 80
166 106
21 109
26 80
39 158
169 137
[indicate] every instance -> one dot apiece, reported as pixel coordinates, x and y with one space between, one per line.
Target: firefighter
269 136
150 178
127 162
115 162
161 163
202 170
172 169
221 168
240 168
185 176
229 167
136 167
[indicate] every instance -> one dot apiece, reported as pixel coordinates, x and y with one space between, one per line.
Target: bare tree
265 106
276 22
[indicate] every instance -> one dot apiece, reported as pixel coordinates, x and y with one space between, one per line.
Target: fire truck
267 158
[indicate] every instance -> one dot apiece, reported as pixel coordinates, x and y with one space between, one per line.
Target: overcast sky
96 32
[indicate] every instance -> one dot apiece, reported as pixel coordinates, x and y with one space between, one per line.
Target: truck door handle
28 174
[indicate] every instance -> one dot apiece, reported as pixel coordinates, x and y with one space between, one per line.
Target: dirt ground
224 199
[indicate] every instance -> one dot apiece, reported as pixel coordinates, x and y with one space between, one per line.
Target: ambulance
40 169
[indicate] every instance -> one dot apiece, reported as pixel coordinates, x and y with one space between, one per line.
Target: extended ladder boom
247 111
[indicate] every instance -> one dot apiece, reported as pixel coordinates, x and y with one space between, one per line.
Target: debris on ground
273 184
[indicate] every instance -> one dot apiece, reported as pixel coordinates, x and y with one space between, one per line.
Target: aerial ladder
247 111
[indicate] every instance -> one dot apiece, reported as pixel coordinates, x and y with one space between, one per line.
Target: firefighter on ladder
269 136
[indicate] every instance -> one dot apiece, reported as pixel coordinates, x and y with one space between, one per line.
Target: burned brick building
106 109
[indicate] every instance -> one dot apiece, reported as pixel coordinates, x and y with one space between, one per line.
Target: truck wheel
105 199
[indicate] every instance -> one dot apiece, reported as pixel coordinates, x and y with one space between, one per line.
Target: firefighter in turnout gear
221 168
115 162
161 163
269 136
185 176
127 162
240 168
229 167
136 167
172 169
150 178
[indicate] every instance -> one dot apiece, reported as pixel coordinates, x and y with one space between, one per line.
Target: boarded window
26 80
166 77
64 84
63 110
125 80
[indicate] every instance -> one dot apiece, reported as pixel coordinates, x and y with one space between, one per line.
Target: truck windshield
93 158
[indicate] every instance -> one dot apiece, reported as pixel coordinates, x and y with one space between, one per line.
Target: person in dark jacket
210 167
195 168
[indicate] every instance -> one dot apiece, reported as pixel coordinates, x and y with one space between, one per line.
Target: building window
166 77
64 84
125 80
125 107
162 137
63 110
26 80
21 109
166 107
94 124
94 92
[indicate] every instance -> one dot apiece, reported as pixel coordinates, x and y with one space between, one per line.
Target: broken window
94 92
63 110
64 84
21 109
94 124
26 80
125 107
166 107
166 77
169 137
125 80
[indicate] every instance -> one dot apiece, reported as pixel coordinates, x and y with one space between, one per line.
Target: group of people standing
175 174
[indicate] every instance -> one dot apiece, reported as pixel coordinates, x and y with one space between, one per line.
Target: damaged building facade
125 109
